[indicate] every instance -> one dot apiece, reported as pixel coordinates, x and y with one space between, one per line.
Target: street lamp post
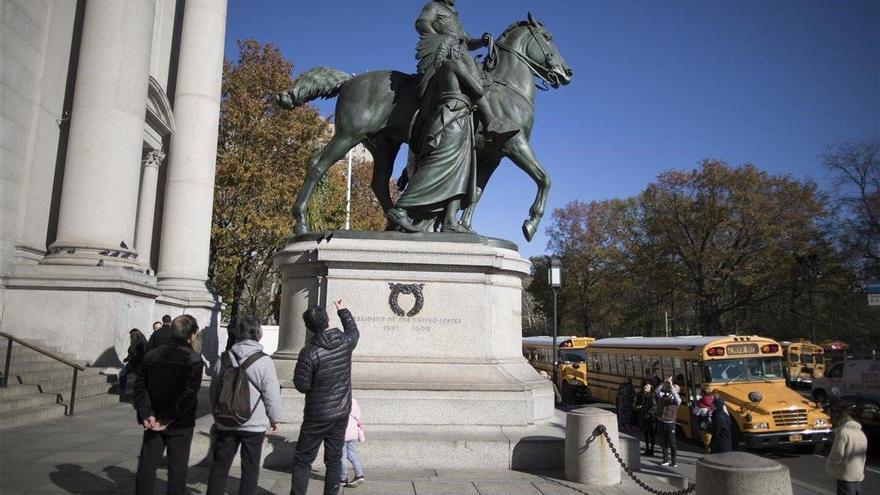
554 279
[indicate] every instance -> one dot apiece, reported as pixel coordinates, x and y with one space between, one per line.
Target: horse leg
520 152
485 168
383 166
319 163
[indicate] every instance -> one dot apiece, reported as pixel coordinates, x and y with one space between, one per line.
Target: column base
63 253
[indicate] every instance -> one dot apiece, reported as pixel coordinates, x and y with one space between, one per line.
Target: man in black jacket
323 374
162 335
165 398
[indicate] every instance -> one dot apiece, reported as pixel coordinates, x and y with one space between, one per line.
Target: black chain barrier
602 430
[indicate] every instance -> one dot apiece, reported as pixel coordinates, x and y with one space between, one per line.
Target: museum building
109 112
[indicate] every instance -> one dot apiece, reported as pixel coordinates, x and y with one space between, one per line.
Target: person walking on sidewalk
668 400
165 398
244 364
846 461
648 418
323 374
722 435
354 434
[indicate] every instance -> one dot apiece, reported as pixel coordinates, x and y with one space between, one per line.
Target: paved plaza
96 452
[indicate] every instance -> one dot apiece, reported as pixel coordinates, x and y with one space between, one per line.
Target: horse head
531 40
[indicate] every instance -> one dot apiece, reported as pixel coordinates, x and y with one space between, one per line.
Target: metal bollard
588 457
741 473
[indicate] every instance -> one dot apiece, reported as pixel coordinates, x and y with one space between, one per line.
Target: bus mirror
755 397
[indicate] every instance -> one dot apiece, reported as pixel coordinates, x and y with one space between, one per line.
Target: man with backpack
323 374
246 401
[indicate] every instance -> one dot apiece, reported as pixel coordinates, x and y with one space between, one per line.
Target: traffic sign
872 288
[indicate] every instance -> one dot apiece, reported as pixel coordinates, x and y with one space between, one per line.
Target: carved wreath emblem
397 290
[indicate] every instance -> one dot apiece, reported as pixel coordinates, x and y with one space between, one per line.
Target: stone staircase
39 386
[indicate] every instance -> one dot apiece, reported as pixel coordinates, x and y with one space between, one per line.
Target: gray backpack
232 403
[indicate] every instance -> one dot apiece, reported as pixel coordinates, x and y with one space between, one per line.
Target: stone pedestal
440 324
588 457
741 473
441 336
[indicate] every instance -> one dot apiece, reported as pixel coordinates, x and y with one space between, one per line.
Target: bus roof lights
715 351
769 348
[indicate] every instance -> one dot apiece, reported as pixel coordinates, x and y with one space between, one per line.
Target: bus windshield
572 355
742 370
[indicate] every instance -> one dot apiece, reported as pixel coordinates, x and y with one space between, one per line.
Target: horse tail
320 82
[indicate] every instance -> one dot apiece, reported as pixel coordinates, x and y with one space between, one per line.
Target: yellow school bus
572 377
746 371
804 362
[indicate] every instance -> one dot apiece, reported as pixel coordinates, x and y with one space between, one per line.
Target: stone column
143 238
588 457
189 188
100 190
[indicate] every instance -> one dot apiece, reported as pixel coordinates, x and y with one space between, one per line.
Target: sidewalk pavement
96 452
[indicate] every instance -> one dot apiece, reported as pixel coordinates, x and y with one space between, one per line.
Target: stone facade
109 121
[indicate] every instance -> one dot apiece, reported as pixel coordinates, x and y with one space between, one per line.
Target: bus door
694 381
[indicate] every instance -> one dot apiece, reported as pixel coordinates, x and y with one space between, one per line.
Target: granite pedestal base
440 323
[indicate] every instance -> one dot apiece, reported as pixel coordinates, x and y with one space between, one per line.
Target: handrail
76 367
42 351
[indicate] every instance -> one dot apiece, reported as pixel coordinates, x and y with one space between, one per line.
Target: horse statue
377 109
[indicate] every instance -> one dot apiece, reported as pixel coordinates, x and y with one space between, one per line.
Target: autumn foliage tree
714 250
262 156
262 153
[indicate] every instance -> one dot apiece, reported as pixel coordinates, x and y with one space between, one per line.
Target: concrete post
100 189
741 473
189 191
588 457
143 237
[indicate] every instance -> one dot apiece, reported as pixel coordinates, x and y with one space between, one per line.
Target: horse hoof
529 228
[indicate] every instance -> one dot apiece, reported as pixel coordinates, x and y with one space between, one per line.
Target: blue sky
657 85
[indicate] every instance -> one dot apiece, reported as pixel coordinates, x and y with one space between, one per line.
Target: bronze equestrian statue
379 109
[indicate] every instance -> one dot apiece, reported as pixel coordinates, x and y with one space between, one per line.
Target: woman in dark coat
625 396
721 429
648 418
137 348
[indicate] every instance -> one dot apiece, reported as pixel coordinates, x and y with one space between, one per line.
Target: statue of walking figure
444 172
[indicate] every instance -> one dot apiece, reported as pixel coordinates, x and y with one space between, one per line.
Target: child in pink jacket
354 434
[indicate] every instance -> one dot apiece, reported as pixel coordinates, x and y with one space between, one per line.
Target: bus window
677 367
572 356
655 367
606 368
667 366
742 370
628 365
637 367
618 360
794 358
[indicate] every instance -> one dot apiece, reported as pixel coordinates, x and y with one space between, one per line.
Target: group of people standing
656 407
245 397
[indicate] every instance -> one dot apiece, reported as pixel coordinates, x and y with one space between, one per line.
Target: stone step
24 355
86 386
41 377
11 419
27 401
41 365
17 390
84 404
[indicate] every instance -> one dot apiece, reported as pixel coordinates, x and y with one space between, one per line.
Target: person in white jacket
846 461
354 434
265 398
